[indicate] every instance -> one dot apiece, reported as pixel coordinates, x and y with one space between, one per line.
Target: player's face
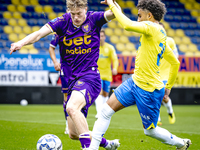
78 15
142 15
102 37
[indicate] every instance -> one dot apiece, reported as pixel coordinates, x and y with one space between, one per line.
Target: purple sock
104 142
85 140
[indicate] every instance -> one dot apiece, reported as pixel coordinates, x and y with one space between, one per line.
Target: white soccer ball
23 102
49 142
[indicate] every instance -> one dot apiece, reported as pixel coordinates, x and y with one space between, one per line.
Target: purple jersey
54 41
79 47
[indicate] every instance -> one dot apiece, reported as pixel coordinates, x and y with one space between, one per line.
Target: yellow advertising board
187 79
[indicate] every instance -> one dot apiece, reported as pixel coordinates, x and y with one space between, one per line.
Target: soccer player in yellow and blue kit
145 88
107 55
164 73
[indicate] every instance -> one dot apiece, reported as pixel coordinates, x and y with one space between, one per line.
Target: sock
66 124
99 103
105 99
84 138
164 136
159 119
168 105
101 125
104 142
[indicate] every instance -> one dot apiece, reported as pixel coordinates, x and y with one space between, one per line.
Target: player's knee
150 132
107 111
166 100
70 110
105 94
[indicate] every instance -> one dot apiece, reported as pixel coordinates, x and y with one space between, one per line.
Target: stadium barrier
34 78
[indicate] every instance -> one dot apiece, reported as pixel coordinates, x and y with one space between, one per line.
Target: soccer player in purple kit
79 34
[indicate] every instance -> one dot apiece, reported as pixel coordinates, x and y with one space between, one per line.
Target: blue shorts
105 85
148 103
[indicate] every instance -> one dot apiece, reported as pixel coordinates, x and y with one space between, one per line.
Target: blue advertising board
27 62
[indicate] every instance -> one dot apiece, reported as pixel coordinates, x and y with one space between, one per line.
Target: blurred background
29 73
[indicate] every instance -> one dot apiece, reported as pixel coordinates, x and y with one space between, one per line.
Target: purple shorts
89 85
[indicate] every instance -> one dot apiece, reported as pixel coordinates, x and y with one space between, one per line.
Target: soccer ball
49 142
23 102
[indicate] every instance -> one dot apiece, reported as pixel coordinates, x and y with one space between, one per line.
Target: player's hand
14 47
57 66
114 72
167 92
107 2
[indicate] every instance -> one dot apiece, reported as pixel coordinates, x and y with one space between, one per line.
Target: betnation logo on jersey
78 51
77 41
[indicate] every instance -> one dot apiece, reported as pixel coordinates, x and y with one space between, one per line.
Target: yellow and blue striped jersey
152 48
107 55
164 65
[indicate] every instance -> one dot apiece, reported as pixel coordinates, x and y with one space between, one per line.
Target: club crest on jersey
79 83
86 27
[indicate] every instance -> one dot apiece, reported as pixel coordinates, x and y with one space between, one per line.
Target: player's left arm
172 59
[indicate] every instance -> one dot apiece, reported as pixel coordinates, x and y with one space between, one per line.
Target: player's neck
102 43
76 26
154 21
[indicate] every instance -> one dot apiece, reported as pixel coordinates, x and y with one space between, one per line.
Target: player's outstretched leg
100 127
99 104
187 143
166 137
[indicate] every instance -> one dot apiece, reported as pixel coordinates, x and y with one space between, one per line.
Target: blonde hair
76 4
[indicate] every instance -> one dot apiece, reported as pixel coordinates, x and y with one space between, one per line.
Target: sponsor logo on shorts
144 116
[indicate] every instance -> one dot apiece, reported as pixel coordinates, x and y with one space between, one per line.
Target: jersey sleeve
98 18
54 41
114 58
56 24
171 58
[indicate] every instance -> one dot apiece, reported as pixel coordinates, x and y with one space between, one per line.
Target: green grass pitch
22 126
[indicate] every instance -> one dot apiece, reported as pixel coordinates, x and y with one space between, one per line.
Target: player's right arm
30 39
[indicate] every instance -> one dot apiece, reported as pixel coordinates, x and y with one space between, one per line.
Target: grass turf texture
22 126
